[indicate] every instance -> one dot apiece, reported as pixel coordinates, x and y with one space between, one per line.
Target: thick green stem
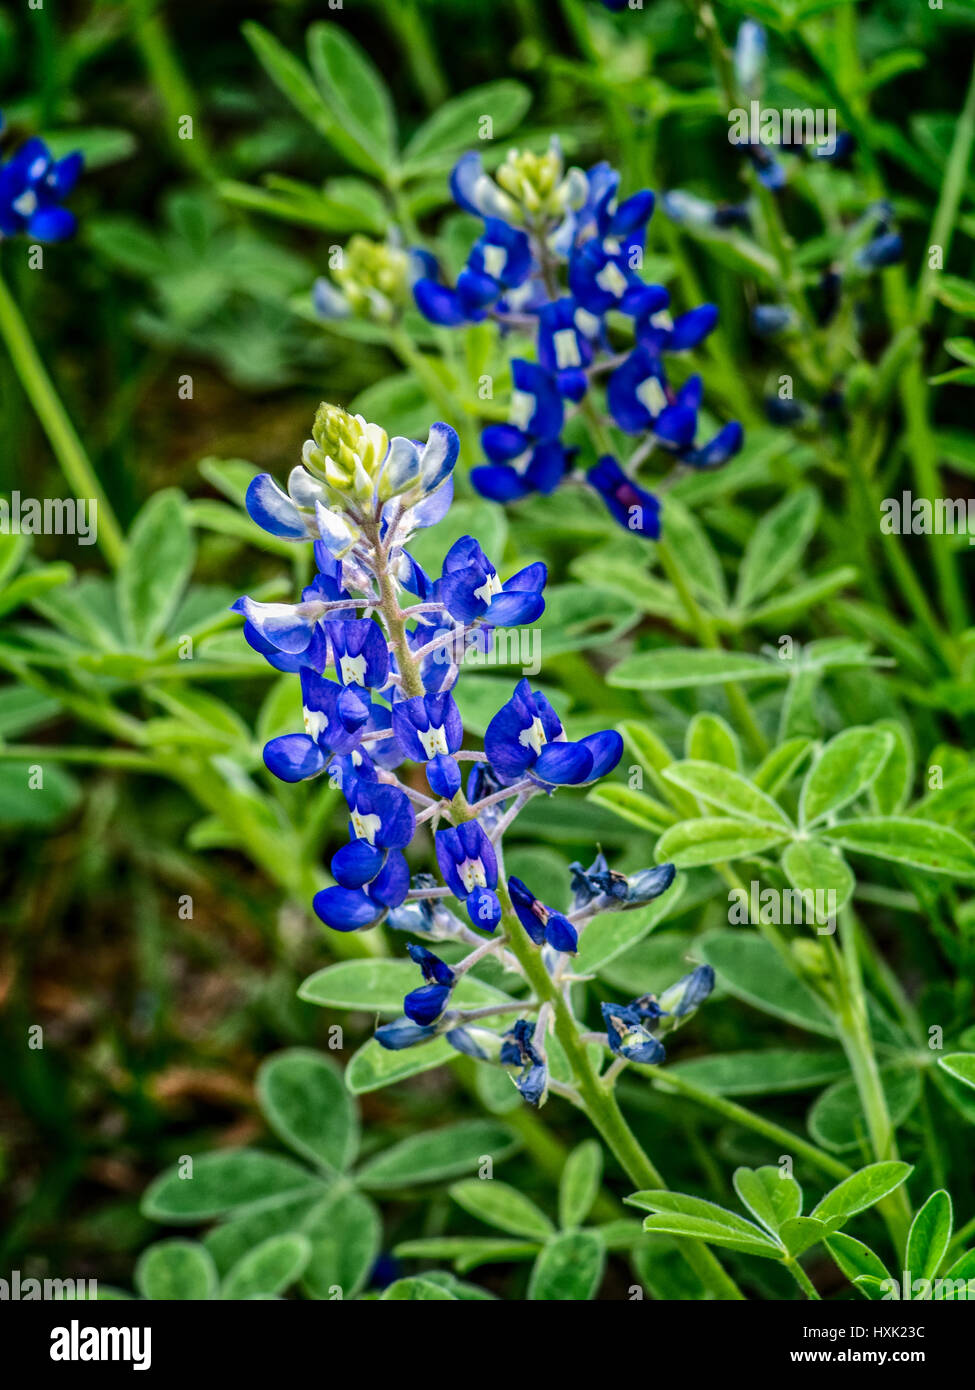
68 449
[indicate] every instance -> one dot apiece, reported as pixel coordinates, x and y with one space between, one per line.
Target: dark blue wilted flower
519 1052
601 889
632 506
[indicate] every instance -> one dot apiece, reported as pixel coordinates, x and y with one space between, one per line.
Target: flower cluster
33 185
374 642
560 259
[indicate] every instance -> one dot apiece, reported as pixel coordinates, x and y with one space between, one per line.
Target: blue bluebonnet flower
769 320
631 505
470 869
629 1036
519 1052
429 729
470 589
372 704
699 214
542 923
33 185
577 252
499 261
526 455
426 1004
526 736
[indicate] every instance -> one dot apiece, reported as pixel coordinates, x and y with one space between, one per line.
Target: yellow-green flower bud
539 183
346 452
373 277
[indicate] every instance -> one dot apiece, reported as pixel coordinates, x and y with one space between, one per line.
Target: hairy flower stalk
378 675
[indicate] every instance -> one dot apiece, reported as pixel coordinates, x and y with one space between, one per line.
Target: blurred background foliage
155 1022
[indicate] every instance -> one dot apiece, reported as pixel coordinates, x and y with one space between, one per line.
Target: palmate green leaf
455 126
611 933
751 968
780 765
467 1252
961 1272
683 1205
695 554
928 1238
579 1183
845 769
307 1105
373 1067
439 1153
957 293
229 1181
674 668
231 1240
345 1234
269 1268
861 1190
763 1072
776 545
158 561
653 755
814 868
23 802
569 1267
855 1259
714 840
578 617
772 1197
714 1233
727 790
960 1065
799 598
498 1204
354 92
459 1288
711 739
836 1120
802 1233
176 1269
903 840
891 788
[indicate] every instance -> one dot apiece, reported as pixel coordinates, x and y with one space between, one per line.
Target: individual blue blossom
884 250
525 455
660 333
469 867
603 275
470 589
520 1054
769 320
634 1030
565 346
337 721
700 215
33 185
542 923
403 1033
426 1004
526 737
499 261
630 505
751 47
358 651
429 729
371 873
482 1044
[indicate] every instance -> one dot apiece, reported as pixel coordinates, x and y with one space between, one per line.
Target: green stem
737 1114
802 1279
599 1103
68 449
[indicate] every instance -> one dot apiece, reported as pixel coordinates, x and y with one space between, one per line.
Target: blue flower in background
33 185
526 455
629 504
629 1036
520 1053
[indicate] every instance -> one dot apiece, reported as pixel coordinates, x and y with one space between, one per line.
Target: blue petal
273 510
356 863
346 909
294 757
